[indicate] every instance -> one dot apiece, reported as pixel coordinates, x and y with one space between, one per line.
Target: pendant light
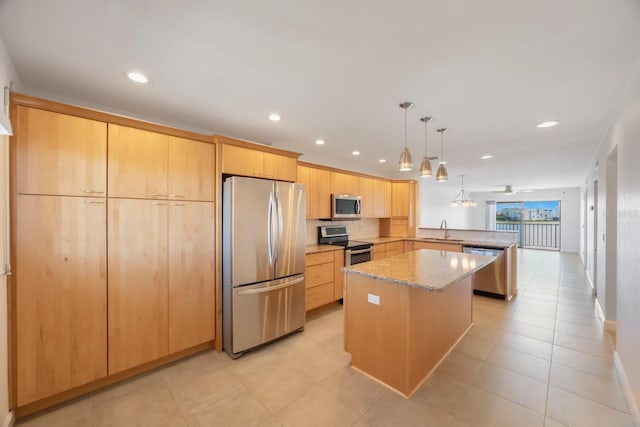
441 174
462 198
405 163
425 165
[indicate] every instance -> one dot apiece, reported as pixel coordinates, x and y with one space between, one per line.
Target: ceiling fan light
441 174
405 163
425 168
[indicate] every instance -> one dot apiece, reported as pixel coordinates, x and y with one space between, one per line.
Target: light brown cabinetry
381 198
338 277
318 191
249 162
365 190
138 282
191 274
151 165
319 279
61 294
384 250
58 154
343 183
403 211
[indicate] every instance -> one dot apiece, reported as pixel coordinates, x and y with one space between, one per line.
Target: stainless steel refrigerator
263 259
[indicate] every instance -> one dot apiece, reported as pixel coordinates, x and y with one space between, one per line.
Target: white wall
569 212
622 297
7 74
434 205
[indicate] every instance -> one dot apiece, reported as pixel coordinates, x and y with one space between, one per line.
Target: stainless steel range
355 251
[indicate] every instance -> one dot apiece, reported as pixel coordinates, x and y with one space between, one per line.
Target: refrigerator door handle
270 251
280 226
271 288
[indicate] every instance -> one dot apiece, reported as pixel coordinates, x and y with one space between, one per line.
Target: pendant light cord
441 148
405 126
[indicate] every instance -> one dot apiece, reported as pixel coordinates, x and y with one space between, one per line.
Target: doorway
536 222
594 261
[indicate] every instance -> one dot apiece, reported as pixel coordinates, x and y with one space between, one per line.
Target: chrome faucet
443 224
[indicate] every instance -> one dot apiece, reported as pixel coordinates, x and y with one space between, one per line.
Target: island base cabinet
61 291
399 334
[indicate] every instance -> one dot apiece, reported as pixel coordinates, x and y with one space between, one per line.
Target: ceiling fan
509 191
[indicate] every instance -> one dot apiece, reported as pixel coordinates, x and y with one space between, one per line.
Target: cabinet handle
93 192
158 195
177 195
159 204
177 204
93 202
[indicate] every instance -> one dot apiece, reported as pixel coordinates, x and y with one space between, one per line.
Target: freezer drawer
262 312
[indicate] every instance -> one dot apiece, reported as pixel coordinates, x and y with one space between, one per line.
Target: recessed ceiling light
487 156
320 141
547 124
382 160
138 77
355 153
274 117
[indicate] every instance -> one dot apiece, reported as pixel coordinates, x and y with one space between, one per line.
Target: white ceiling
489 71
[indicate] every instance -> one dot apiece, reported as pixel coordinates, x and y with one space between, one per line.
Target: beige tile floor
542 359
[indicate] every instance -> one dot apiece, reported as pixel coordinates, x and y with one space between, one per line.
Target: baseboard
610 325
628 392
8 420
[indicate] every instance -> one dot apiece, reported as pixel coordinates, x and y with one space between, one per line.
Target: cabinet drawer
395 246
319 296
380 247
319 258
319 274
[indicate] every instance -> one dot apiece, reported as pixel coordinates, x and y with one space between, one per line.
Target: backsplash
358 229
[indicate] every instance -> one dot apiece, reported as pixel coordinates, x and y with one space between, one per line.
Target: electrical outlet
373 299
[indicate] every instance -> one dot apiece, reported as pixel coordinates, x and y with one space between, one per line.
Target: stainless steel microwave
345 206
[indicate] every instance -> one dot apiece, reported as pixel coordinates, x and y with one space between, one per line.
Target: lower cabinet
138 282
161 279
449 247
384 250
320 279
61 294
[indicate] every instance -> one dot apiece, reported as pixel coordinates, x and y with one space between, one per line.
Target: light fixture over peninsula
441 173
462 198
425 165
405 163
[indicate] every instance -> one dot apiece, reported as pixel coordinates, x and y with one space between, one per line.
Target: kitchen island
404 314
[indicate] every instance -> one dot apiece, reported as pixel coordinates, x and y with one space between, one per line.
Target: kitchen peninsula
403 314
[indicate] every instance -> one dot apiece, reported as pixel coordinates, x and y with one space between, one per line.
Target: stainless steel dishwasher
489 280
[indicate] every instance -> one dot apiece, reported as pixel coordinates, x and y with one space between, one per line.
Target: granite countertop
314 249
424 268
485 243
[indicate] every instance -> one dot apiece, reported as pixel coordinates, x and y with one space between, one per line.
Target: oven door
357 256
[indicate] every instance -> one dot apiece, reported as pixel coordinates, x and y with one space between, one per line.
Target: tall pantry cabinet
114 248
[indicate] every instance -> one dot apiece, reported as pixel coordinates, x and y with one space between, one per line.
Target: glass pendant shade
441 173
405 163
425 168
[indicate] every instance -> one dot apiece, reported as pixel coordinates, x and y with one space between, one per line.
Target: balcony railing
534 234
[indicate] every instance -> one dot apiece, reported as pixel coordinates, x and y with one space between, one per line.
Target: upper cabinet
365 189
59 154
249 162
150 165
318 189
403 211
342 183
381 198
400 204
191 169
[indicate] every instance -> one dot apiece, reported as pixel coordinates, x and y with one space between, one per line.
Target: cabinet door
138 290
276 166
137 163
338 278
191 274
191 170
400 199
242 161
342 183
60 154
318 186
61 288
365 189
